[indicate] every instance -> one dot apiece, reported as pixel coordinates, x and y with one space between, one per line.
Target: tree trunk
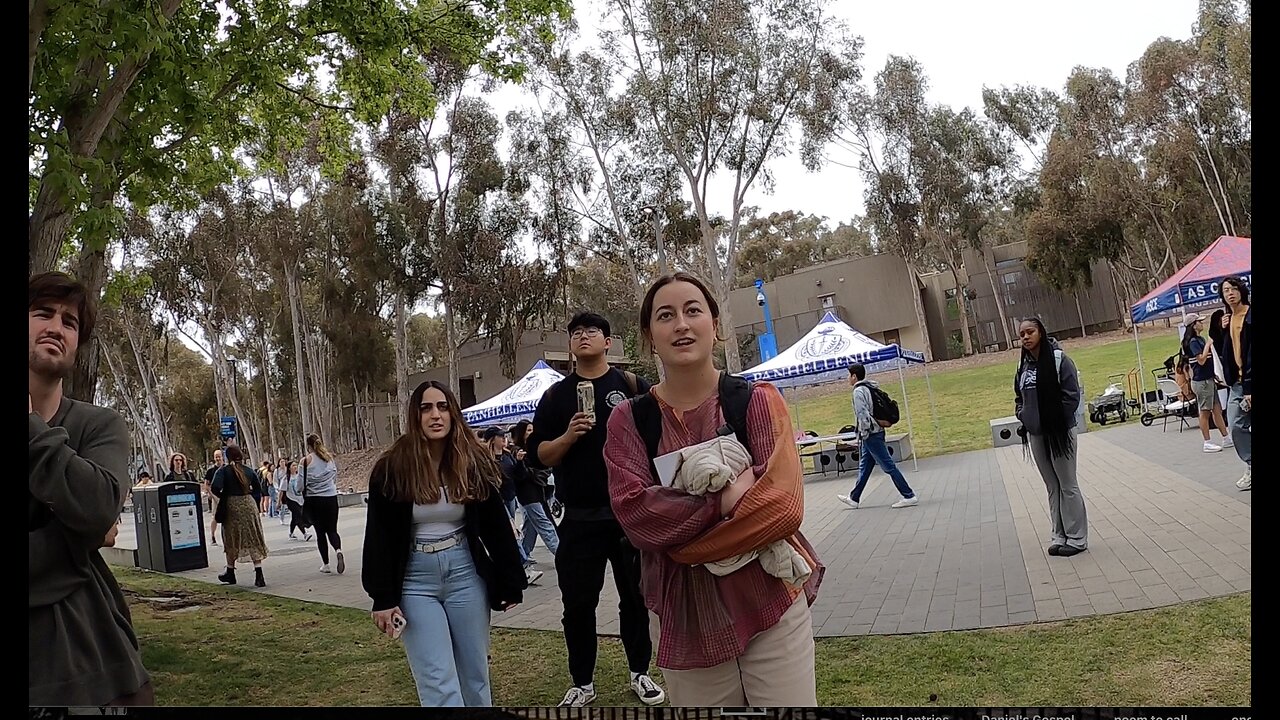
451 335
321 397
295 312
150 390
37 17
402 357
1083 332
962 302
83 382
1000 301
918 304
266 395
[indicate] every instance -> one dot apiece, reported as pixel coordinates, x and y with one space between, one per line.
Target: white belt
437 546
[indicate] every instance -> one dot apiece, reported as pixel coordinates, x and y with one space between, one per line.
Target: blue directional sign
227 428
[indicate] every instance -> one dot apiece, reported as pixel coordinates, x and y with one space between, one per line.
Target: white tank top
437 520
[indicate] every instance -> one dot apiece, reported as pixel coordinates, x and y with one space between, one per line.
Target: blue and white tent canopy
825 353
517 402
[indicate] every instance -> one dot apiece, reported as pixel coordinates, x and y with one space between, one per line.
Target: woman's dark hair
466 469
520 433
235 456
646 307
1187 334
1238 283
1053 420
1215 327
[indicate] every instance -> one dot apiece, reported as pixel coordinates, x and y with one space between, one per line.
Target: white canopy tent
517 402
824 355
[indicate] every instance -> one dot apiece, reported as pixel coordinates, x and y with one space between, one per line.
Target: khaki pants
776 670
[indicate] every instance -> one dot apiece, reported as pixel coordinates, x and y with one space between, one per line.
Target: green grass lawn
223 646
968 398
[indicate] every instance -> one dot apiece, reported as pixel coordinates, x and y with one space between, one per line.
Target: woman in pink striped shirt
742 639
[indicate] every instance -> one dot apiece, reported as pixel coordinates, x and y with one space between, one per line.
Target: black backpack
735 395
884 409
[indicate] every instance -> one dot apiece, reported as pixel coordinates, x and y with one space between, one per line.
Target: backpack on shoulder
884 409
735 395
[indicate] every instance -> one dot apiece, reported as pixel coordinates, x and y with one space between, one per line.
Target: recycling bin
169 521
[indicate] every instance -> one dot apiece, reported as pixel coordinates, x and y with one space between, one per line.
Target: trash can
169 521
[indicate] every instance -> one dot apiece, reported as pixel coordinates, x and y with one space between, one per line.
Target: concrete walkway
1167 525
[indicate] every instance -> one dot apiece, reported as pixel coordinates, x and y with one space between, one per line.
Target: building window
953 308
1011 278
828 302
892 337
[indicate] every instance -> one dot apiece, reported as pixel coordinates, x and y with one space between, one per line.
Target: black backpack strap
633 383
648 418
735 396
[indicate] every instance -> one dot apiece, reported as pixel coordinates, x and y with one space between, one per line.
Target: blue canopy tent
517 402
1195 286
824 355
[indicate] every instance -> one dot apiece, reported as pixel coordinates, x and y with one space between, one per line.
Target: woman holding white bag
744 638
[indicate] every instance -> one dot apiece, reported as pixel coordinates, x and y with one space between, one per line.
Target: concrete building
877 295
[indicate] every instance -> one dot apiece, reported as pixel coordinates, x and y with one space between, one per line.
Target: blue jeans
1241 423
873 451
273 509
537 523
512 504
447 633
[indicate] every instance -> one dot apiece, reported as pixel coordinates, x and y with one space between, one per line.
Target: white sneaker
1246 482
308 536
912 501
578 697
847 501
325 568
292 536
1211 448
532 576
1227 442
647 690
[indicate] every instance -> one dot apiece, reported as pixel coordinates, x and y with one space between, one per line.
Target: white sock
635 676
589 687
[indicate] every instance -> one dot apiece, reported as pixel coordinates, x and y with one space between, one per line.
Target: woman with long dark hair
1198 354
745 637
439 551
1046 392
239 491
319 491
531 491
1216 329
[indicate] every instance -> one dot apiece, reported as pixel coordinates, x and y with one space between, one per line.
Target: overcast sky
962 47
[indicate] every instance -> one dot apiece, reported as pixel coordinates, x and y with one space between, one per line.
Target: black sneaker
1068 551
228 577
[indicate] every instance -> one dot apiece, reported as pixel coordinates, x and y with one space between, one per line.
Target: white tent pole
1142 380
915 456
933 407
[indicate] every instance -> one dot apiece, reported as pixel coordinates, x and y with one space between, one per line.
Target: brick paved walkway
1167 525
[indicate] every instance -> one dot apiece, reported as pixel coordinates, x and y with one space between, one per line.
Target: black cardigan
1242 376
389 535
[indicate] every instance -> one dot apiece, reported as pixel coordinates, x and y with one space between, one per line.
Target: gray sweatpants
1241 425
1066 502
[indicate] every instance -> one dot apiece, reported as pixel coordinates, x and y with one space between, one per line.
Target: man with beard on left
81 648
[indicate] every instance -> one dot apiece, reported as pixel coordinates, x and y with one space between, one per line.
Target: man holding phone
569 438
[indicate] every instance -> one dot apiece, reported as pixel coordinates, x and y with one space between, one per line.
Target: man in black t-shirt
218 462
572 444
